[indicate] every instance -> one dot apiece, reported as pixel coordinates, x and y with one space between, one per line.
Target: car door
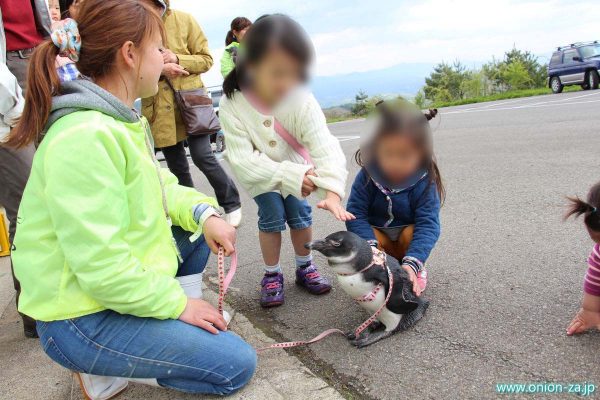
572 71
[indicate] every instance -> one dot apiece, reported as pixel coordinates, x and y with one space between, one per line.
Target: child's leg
299 238
386 244
270 246
398 248
404 241
299 219
271 222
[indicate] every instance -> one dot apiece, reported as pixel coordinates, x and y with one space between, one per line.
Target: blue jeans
274 211
179 356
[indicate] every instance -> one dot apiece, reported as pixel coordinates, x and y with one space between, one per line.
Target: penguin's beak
318 245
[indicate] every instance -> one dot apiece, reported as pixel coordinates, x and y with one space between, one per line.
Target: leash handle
224 280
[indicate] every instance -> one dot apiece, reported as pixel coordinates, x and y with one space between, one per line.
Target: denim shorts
274 211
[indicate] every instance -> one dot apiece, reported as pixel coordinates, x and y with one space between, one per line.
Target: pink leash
224 281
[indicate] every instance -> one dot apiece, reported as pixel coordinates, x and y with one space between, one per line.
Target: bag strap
281 131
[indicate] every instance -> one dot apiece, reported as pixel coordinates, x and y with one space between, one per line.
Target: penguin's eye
335 243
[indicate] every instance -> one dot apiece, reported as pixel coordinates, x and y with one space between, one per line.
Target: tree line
450 82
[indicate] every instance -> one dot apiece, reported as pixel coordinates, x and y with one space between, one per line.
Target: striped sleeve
592 278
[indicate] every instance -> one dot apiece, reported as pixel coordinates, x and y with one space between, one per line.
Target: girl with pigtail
235 35
588 316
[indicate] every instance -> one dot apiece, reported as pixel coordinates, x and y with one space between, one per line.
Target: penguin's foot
376 325
372 337
410 319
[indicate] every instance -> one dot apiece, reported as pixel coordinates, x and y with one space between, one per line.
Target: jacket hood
165 4
376 175
82 95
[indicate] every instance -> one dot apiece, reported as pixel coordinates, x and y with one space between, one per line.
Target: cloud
352 36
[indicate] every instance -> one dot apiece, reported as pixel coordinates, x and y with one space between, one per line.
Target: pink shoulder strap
280 130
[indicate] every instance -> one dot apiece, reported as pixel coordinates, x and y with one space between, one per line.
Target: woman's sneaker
271 294
95 387
309 278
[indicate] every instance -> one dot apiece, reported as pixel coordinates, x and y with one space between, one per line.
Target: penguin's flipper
410 319
373 337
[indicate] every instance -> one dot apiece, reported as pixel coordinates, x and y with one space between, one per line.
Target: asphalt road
505 278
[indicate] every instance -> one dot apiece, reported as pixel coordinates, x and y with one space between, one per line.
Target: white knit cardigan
263 162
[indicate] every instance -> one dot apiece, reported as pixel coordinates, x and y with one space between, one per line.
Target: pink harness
379 259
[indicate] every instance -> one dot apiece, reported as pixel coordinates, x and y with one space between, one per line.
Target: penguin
349 256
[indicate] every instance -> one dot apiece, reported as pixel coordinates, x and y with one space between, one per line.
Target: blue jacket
415 203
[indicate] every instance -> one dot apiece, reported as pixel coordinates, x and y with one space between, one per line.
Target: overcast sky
352 35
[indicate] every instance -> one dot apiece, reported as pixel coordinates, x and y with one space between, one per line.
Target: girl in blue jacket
397 194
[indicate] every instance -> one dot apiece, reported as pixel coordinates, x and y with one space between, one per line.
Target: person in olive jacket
186 56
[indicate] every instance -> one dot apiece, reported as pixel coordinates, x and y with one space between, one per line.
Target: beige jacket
186 39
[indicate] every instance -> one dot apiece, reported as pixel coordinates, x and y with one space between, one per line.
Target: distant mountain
402 79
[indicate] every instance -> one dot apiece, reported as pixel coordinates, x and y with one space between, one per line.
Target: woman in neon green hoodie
95 251
235 35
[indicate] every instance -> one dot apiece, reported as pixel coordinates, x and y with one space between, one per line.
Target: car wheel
592 80
555 85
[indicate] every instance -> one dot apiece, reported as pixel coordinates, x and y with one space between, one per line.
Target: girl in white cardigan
280 148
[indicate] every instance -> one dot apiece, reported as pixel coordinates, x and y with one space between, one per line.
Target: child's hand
412 277
583 321
333 204
308 186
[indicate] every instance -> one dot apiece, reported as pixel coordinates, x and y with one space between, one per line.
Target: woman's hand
333 204
169 57
308 185
584 320
217 233
203 315
172 70
412 277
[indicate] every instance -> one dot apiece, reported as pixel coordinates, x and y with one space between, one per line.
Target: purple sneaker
309 278
271 294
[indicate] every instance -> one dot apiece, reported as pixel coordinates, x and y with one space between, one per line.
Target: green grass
513 94
331 120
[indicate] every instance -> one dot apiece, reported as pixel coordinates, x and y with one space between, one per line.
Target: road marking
346 138
525 106
528 105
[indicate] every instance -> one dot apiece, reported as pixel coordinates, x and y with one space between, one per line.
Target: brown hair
238 24
104 25
590 208
403 118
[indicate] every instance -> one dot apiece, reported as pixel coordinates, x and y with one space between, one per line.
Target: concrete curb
28 374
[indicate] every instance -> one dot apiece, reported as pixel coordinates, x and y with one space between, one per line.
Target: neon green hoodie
228 58
91 230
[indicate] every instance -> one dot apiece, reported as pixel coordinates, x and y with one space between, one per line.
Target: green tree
360 104
420 100
535 70
446 81
516 76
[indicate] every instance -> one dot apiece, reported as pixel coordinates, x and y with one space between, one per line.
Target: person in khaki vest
186 56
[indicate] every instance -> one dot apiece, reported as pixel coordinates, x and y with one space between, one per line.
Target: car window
590 51
568 57
556 58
